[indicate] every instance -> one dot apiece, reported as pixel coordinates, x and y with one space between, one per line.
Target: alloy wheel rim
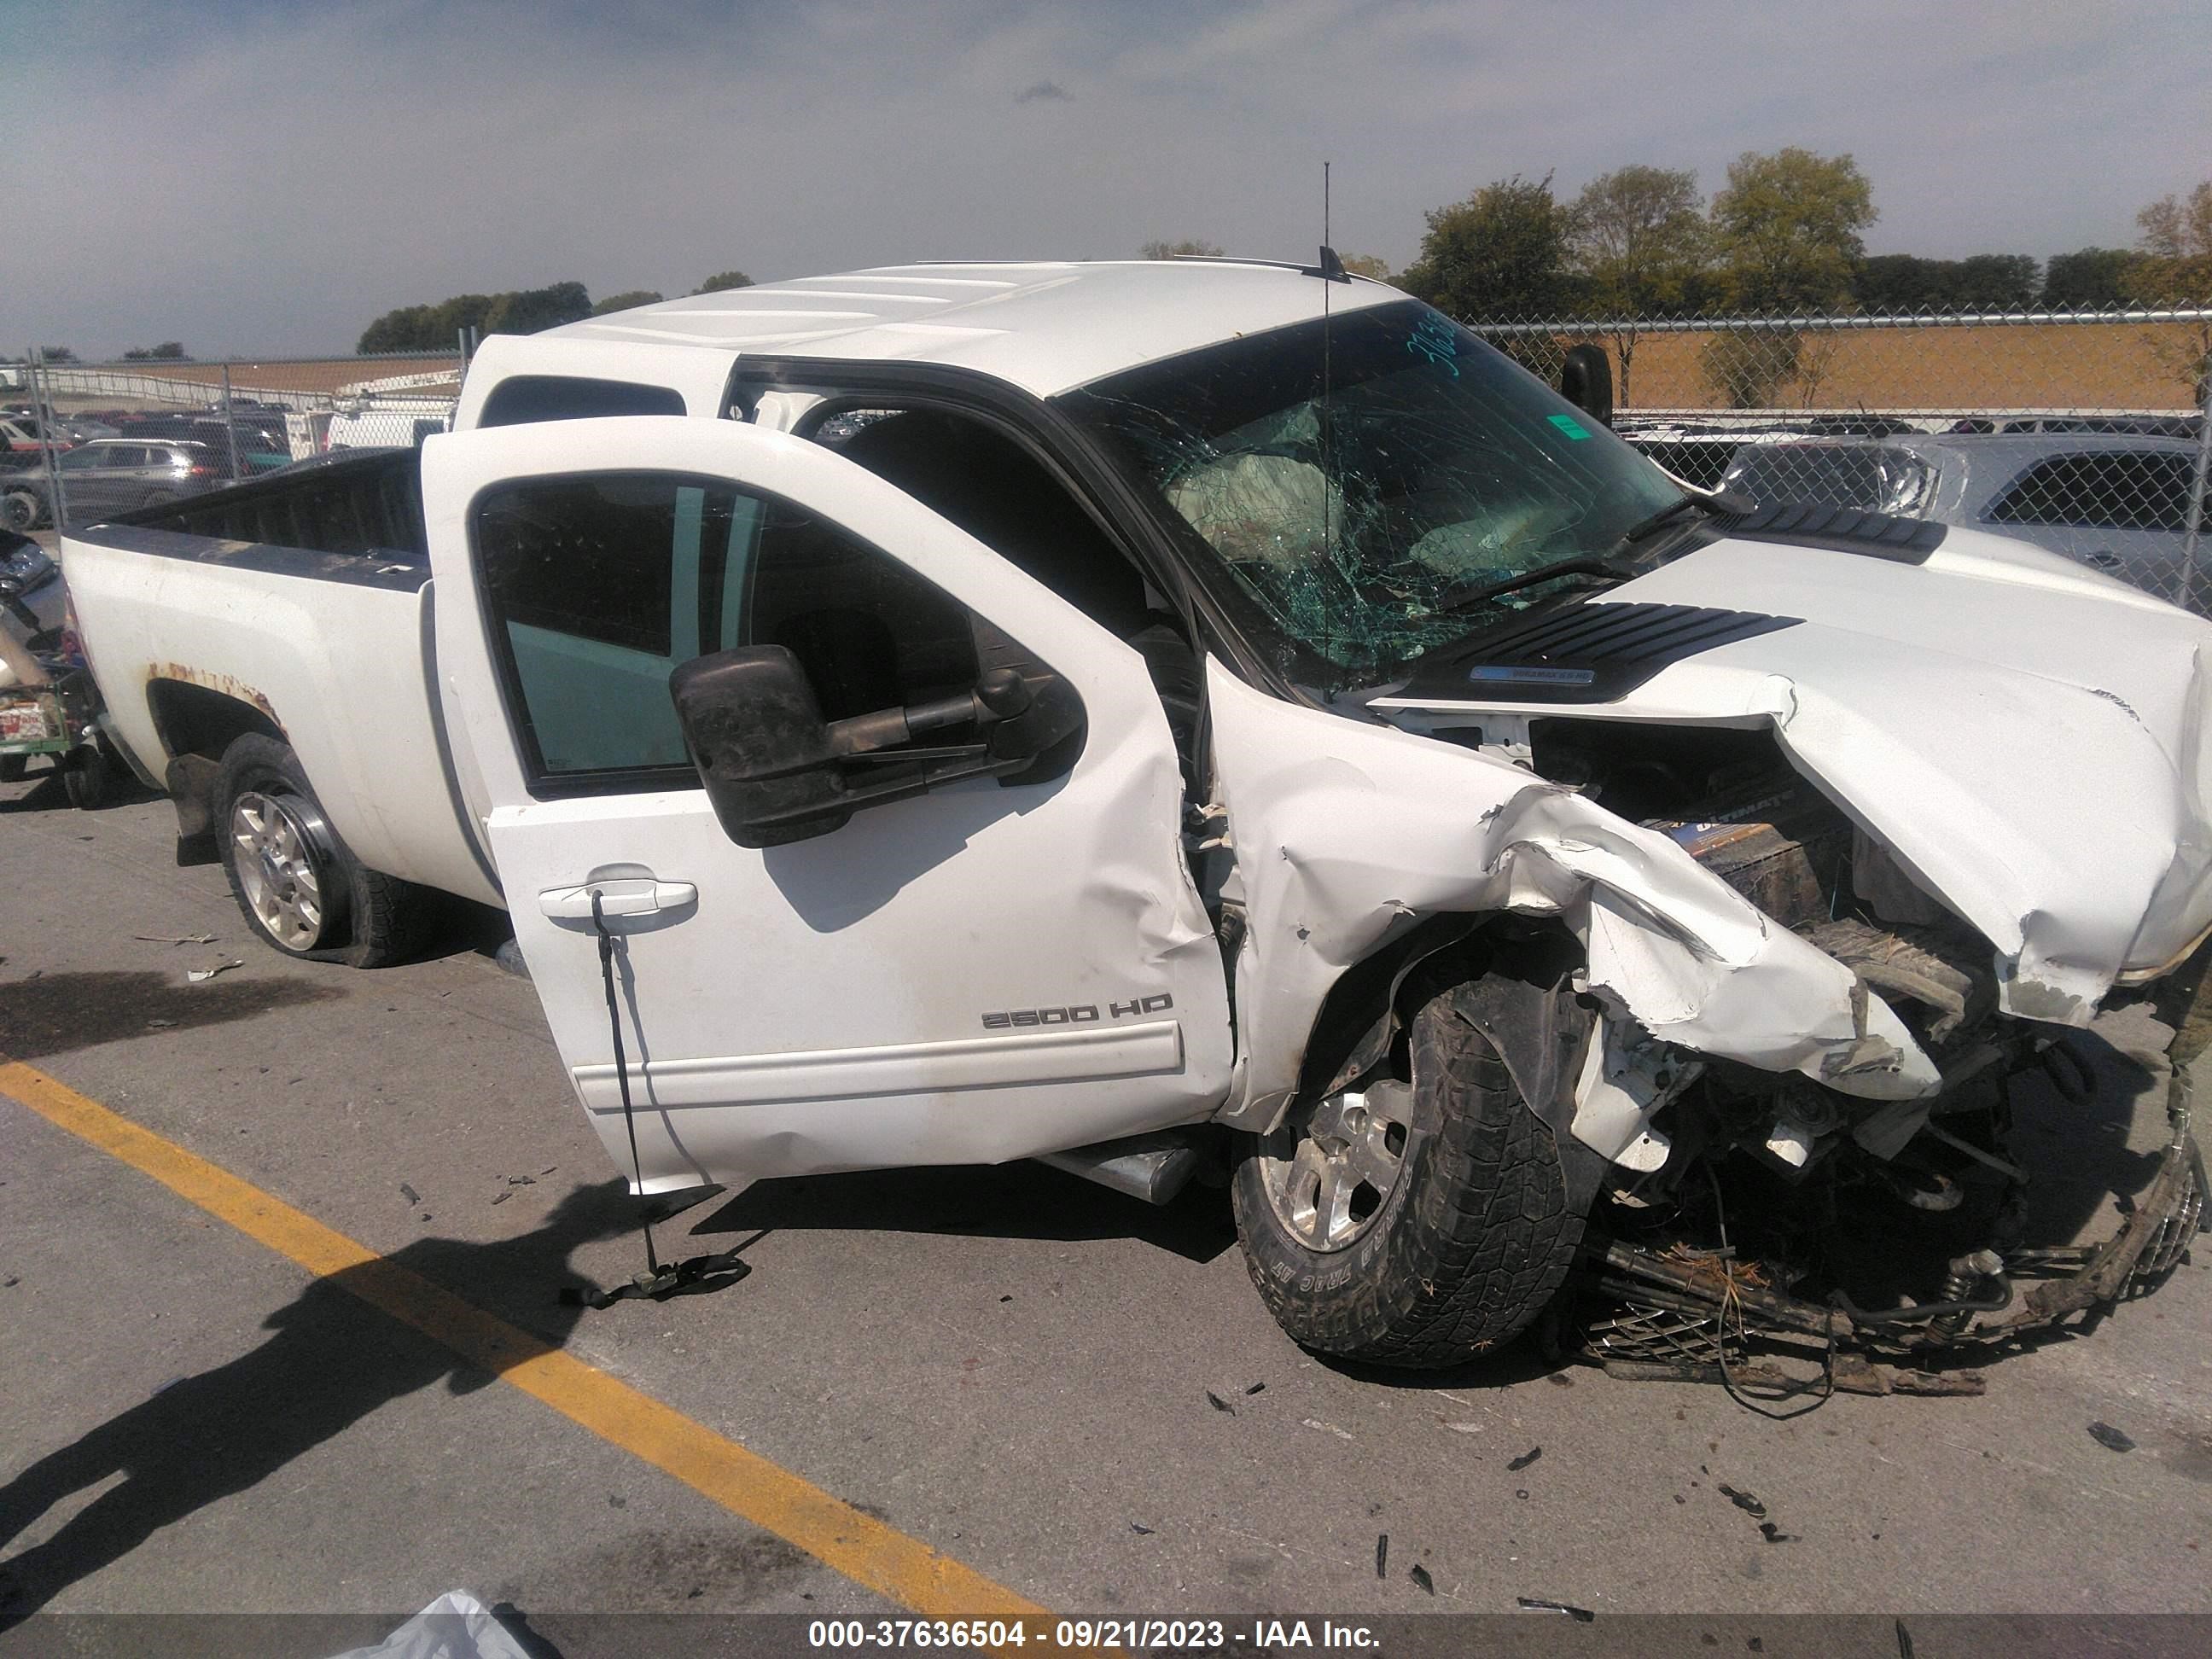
279 868
1329 1171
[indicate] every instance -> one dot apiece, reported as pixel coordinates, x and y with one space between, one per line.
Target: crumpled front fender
1345 834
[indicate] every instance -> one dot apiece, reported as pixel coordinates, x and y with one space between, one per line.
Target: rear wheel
87 777
1411 1224
298 884
12 767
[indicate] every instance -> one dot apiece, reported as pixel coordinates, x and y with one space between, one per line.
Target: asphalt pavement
1008 1364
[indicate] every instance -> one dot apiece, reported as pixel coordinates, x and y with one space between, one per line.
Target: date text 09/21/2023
1192 1635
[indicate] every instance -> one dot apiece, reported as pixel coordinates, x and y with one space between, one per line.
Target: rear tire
87 777
1474 1238
300 888
12 767
20 509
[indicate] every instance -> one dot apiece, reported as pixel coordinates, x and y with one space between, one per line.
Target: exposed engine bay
1752 1214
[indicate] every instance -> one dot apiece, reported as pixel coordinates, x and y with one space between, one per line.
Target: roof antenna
1328 259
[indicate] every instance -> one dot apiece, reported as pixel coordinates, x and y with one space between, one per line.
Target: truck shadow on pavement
331 1360
1008 1200
46 1014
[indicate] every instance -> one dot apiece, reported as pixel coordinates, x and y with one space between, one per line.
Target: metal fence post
229 426
42 400
2193 572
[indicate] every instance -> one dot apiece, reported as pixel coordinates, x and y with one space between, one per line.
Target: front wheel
301 888
1416 1224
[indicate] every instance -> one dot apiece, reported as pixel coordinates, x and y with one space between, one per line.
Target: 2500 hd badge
1079 1014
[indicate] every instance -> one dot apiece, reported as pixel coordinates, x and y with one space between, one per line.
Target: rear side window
2117 490
598 587
566 398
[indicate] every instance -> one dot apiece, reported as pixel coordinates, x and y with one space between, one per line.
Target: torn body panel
2028 747
1347 833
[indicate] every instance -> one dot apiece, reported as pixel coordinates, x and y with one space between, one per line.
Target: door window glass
598 587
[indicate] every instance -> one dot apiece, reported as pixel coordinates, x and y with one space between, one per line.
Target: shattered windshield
1348 522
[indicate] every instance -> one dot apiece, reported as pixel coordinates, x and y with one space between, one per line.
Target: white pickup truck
1138 714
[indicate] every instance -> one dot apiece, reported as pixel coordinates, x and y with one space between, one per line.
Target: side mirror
778 773
1586 381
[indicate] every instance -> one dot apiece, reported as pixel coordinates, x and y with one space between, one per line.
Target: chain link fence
84 441
2082 433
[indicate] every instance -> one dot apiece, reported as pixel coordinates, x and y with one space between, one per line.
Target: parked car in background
28 434
118 474
2113 501
259 442
32 597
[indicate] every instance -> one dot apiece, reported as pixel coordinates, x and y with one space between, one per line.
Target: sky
261 178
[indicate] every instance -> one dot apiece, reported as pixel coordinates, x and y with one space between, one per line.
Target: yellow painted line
867 1551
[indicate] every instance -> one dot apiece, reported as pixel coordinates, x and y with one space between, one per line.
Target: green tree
1787 229
169 351
1499 256
2175 269
1637 236
2089 279
1637 239
57 353
436 327
627 302
723 279
1184 250
1367 264
531 310
1906 282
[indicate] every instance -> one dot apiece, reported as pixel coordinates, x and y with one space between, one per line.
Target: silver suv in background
2116 502
110 476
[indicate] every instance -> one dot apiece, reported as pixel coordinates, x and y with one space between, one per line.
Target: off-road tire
370 919
1473 1240
20 509
13 767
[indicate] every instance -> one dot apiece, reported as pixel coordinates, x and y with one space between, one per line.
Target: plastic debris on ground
1525 1459
1538 1604
2109 1438
194 976
454 1626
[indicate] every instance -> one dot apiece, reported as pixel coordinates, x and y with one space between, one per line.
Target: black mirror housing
777 772
1586 381
761 746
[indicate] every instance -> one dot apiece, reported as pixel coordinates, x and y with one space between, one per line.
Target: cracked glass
1344 488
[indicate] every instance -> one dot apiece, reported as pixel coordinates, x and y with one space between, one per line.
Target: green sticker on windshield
1574 428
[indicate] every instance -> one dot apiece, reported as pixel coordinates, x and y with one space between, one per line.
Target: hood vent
1844 529
1583 653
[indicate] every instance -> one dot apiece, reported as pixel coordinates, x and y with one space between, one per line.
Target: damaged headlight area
1748 1215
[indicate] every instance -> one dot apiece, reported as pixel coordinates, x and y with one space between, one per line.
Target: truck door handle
631 895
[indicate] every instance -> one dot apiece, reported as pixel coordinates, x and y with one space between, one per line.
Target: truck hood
2027 738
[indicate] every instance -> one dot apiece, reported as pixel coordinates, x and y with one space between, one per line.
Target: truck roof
1045 326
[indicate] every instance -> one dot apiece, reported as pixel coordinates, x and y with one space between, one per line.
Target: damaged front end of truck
1778 1074
1636 890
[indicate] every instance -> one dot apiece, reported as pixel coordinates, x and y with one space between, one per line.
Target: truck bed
299 604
